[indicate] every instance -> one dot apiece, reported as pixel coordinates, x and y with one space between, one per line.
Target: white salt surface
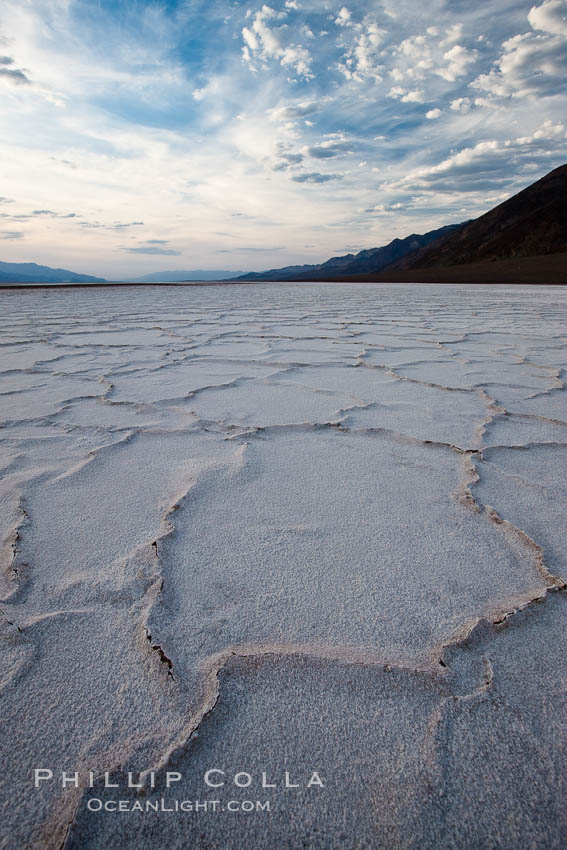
285 527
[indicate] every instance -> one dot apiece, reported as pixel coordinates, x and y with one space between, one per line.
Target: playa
279 531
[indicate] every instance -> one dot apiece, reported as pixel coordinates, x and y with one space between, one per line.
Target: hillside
531 224
32 273
369 260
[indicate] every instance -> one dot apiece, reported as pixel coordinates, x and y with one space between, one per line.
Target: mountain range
370 260
522 240
179 275
32 273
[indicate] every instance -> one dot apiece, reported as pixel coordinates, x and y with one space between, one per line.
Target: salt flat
285 527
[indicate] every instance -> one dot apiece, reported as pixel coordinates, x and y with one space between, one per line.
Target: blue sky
139 136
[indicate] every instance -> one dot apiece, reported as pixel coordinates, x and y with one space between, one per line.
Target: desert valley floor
285 527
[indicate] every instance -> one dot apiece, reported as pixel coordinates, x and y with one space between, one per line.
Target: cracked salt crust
311 525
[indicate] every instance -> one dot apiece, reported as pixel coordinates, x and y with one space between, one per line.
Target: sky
138 136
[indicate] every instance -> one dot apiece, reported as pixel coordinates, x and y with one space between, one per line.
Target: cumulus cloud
488 164
407 95
531 64
385 208
361 60
264 42
415 58
551 17
432 114
458 59
548 130
453 34
461 104
421 55
343 18
315 177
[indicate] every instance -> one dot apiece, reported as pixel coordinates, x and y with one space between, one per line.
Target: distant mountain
370 260
32 273
180 275
285 273
524 239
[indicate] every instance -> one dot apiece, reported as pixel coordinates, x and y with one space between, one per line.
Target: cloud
415 58
422 55
285 156
488 164
458 59
328 149
453 34
293 111
407 95
212 88
15 76
550 18
263 42
315 177
461 104
12 75
117 225
162 121
53 214
385 208
343 18
11 234
252 249
153 249
66 162
362 59
546 132
531 65
287 159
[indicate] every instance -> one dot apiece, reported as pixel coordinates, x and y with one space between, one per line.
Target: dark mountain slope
531 223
